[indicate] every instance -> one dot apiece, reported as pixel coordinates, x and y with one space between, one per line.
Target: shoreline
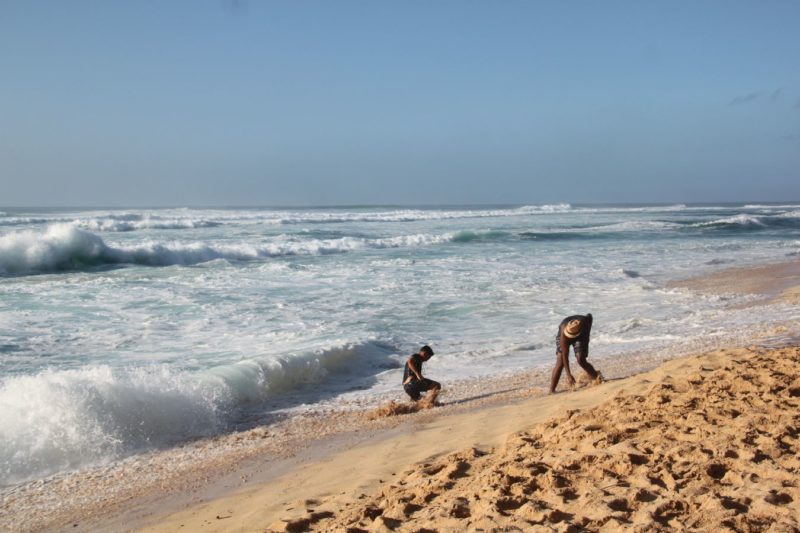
770 283
212 467
216 468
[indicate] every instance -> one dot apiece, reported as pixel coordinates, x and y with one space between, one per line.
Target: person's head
426 352
573 329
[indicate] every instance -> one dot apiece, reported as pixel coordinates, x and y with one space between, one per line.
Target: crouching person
413 381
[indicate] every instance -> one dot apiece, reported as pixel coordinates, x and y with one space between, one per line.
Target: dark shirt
417 363
586 328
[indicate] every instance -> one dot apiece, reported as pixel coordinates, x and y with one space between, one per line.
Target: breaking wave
63 247
112 225
736 220
189 219
416 215
749 222
771 206
61 420
116 222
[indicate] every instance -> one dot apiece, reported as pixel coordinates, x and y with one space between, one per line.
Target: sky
301 102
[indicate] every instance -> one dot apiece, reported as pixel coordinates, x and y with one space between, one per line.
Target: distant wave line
64 247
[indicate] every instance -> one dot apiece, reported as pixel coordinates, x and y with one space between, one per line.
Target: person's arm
565 359
414 370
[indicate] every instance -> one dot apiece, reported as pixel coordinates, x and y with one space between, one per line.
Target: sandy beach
702 441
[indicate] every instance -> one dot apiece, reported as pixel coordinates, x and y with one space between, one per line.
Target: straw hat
572 329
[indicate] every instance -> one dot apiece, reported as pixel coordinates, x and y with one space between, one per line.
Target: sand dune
708 449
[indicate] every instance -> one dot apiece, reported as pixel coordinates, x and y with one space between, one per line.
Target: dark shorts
578 346
418 386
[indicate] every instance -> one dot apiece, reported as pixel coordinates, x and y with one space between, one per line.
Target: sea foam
60 420
736 220
111 224
64 247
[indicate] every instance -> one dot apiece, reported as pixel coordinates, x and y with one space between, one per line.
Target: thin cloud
776 95
745 99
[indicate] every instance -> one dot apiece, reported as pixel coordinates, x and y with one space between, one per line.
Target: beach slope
713 446
703 442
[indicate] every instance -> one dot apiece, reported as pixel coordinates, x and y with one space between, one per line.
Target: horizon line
397 205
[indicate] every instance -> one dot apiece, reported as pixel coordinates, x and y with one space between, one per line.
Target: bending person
573 331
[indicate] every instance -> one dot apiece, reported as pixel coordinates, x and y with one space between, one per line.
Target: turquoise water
128 330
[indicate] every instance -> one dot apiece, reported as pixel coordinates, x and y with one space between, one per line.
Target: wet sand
773 283
314 470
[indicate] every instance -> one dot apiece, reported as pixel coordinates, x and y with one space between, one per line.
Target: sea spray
59 420
64 247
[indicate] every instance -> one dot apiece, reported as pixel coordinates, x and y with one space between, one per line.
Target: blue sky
414 102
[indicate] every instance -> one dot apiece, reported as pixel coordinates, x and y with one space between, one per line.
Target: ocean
129 330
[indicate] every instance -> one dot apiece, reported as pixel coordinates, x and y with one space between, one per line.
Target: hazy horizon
402 206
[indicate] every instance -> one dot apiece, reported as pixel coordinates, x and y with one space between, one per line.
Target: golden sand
709 449
395 408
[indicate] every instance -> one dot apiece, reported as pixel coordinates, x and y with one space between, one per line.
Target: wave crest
115 225
64 247
736 220
59 420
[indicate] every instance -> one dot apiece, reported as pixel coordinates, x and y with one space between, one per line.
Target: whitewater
129 330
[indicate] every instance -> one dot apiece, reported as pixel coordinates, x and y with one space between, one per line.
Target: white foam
60 247
546 208
64 247
416 215
633 225
735 220
789 214
769 206
643 209
115 221
187 218
115 224
59 420
25 221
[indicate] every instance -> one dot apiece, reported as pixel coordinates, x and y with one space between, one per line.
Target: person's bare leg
586 365
430 397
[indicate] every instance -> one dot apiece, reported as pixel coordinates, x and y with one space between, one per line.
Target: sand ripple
712 451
